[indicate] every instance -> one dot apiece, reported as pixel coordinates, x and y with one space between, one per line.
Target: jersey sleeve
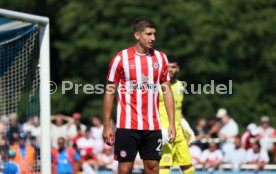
115 69
164 77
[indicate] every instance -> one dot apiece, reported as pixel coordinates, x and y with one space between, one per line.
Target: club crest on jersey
123 153
167 159
155 65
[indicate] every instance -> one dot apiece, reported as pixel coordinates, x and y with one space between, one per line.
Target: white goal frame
44 62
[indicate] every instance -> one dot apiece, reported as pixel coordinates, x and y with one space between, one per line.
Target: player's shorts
176 154
128 142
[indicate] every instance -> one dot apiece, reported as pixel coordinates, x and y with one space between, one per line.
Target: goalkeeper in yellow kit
177 153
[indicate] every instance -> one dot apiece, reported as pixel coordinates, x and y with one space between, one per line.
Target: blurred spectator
3 150
85 145
72 129
36 130
106 159
236 156
33 143
59 127
211 157
229 128
249 136
97 134
257 156
2 126
79 135
64 159
14 129
28 126
32 129
10 167
138 162
87 168
3 145
265 132
274 148
24 155
213 128
201 130
195 152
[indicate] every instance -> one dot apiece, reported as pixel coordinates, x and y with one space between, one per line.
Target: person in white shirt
257 155
28 126
265 132
72 128
59 128
229 128
104 160
212 157
236 156
195 152
85 146
96 132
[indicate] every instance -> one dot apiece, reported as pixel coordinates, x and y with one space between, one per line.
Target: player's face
146 38
173 69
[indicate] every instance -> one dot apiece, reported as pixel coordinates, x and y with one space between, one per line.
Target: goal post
43 71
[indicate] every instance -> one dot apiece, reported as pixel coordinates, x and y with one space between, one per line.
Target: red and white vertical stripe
138 108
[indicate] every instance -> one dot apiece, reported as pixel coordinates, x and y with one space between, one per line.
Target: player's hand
172 133
108 135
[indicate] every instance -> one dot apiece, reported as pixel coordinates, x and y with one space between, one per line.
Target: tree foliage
214 40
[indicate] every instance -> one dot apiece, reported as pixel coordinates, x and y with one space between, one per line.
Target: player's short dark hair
141 23
172 59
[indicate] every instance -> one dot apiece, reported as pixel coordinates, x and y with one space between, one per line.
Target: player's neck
173 80
139 49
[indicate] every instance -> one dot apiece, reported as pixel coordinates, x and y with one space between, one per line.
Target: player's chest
141 69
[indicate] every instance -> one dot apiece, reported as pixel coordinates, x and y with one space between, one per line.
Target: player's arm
169 104
108 133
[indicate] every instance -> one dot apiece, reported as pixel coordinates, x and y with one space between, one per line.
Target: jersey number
159 145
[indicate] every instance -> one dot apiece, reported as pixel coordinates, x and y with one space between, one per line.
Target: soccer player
137 72
177 153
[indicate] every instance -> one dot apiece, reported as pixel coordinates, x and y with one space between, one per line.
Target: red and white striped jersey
139 77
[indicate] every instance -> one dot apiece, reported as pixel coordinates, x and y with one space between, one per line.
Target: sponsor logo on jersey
143 86
144 78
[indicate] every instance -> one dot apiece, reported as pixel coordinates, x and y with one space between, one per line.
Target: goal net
24 100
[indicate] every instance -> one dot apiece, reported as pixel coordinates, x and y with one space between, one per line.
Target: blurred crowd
19 145
79 147
219 141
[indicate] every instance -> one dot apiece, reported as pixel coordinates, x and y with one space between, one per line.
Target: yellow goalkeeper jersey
178 91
